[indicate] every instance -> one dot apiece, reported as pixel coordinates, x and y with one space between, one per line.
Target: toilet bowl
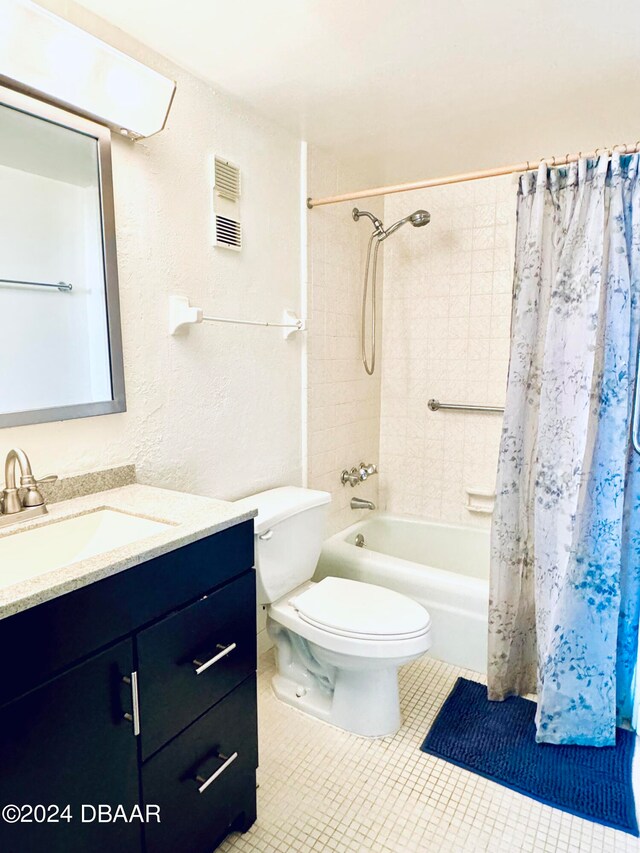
349 639
339 643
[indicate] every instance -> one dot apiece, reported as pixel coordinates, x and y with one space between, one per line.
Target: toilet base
367 702
363 703
357 696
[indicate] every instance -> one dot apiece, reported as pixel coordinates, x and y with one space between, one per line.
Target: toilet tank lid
276 505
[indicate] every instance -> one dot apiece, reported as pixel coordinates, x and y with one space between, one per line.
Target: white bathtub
443 566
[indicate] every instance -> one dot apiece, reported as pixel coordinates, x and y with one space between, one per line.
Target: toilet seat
362 611
364 646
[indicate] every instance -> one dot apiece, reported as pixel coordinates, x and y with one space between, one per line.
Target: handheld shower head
418 218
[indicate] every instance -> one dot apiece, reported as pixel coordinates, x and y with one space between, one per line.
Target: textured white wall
447 305
344 402
216 412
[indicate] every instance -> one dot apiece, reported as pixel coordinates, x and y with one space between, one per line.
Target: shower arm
377 224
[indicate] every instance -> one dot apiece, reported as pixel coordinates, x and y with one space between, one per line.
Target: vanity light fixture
43 55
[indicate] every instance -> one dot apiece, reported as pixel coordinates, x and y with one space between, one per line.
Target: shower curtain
565 543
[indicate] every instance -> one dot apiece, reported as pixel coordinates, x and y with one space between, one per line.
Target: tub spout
361 503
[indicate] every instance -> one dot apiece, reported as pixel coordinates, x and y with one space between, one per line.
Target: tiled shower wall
446 305
344 403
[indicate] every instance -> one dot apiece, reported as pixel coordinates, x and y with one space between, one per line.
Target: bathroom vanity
129 678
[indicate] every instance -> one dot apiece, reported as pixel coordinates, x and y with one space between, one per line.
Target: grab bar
434 405
60 285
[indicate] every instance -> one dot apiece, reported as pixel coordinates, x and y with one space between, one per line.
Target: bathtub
443 566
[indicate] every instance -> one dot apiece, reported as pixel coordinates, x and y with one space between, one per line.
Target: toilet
338 642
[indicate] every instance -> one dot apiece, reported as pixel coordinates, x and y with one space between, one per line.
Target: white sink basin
26 554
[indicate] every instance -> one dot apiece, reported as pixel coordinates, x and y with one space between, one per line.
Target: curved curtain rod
526 166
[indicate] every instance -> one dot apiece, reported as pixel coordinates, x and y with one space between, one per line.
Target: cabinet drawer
204 780
219 632
98 614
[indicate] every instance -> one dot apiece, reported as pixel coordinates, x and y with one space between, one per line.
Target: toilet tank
289 532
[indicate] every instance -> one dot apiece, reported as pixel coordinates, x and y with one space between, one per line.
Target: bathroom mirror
60 340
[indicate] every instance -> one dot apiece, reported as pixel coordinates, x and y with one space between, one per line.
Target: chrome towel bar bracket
435 405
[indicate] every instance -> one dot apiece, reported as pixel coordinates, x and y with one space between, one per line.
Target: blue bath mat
497 740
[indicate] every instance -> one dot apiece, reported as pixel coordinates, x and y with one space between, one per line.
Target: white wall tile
451 342
344 403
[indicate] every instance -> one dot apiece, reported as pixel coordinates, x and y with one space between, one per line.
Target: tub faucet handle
352 477
367 470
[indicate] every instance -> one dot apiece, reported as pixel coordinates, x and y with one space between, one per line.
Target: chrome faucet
25 500
361 503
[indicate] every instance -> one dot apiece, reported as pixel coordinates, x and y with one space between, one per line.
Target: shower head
418 218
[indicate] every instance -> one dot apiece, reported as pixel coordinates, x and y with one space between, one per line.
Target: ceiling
414 88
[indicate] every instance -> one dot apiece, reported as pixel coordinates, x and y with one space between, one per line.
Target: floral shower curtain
565 545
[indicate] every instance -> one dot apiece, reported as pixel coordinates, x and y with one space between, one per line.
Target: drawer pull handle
206 782
266 535
135 701
202 666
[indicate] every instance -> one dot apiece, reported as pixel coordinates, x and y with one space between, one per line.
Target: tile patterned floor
322 789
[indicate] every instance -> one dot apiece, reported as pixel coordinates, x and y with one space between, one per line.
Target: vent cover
227 179
228 233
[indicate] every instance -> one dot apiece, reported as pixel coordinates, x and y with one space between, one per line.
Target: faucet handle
34 496
29 480
352 477
369 469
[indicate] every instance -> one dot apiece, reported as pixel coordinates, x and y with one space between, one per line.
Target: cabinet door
68 743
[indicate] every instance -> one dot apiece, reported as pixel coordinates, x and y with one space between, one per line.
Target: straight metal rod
434 405
61 285
297 325
526 166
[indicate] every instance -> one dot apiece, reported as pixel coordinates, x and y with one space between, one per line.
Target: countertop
191 518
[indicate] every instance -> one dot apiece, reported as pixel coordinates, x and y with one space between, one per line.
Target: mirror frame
47 112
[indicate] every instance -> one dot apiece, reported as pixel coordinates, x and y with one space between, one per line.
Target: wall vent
228 233
226 179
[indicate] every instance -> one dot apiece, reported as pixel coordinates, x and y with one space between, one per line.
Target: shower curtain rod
526 166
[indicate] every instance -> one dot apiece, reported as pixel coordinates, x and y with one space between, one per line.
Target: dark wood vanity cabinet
143 697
